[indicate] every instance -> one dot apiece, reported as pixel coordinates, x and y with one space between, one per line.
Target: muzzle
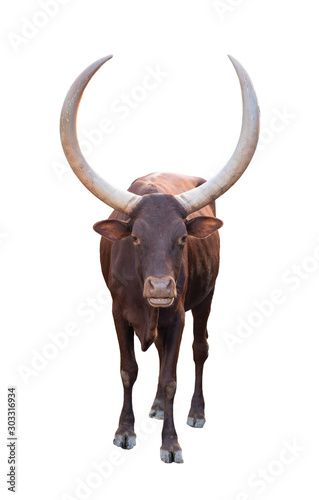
160 292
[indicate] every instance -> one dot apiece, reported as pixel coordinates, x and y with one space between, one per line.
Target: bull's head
159 230
158 223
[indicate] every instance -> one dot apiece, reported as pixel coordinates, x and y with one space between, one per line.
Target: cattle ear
112 229
201 227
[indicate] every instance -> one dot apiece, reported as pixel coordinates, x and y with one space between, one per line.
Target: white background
260 394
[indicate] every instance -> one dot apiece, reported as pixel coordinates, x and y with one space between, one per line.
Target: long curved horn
203 195
123 201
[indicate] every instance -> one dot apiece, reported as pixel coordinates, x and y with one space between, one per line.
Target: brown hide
198 271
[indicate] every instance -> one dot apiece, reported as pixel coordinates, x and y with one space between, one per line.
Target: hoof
172 455
198 423
127 441
158 414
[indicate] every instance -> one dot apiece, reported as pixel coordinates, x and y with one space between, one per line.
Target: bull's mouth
160 302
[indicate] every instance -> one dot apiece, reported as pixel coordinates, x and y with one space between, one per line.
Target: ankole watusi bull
163 235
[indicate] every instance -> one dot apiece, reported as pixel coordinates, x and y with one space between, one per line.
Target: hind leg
196 416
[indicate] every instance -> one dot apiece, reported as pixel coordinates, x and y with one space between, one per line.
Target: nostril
159 287
151 286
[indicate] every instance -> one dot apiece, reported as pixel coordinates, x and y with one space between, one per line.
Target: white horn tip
235 63
106 58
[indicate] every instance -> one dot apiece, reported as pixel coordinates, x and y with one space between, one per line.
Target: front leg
170 340
157 409
196 416
125 436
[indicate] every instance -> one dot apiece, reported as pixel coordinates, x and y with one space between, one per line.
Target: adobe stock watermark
280 120
225 7
259 481
86 312
291 281
101 471
34 24
120 110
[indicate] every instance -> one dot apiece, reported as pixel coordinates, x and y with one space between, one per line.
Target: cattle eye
135 239
183 239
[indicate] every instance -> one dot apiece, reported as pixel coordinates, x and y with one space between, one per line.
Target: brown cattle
160 258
